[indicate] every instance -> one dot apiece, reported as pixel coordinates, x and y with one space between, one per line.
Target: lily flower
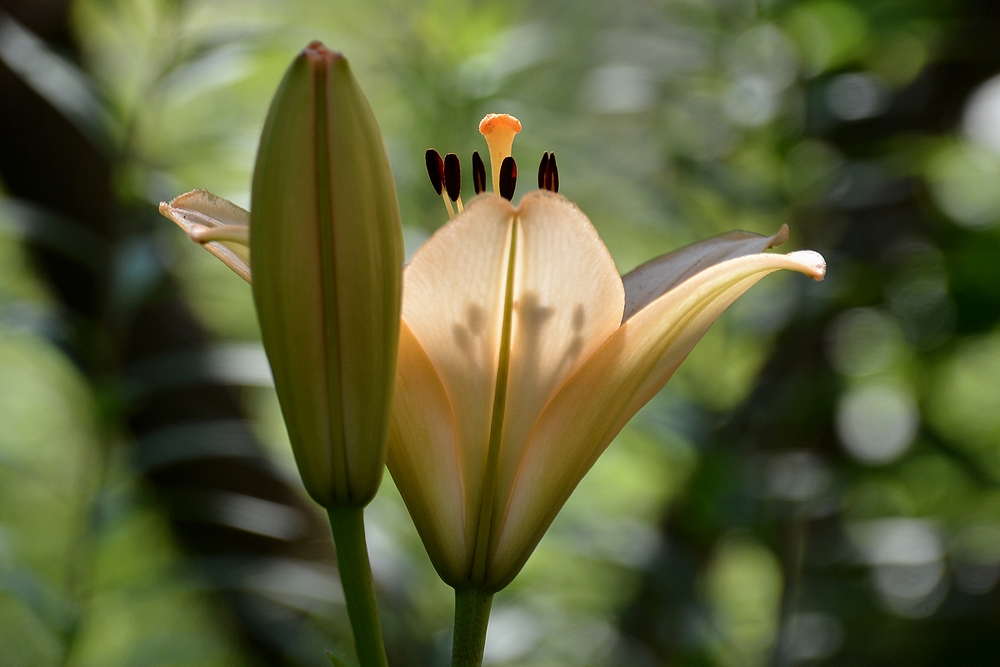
523 353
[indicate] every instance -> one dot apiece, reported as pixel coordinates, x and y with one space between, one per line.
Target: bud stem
356 577
472 616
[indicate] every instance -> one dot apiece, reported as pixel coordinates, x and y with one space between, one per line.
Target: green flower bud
326 254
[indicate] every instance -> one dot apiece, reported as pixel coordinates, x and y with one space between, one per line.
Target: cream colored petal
568 300
453 296
425 459
593 406
198 210
654 278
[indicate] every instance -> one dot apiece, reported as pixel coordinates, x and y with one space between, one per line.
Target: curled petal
220 226
594 405
657 276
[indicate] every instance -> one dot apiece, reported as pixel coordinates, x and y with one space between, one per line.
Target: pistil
499 130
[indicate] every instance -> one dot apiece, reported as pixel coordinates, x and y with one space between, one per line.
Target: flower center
499 131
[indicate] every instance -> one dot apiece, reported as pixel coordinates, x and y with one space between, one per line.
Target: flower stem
356 576
472 615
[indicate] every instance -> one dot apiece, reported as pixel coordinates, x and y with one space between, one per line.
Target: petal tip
779 238
169 211
811 262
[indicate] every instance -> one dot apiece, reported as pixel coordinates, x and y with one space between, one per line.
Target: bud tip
318 53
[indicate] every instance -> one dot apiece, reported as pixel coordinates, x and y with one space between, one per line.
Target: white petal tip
810 263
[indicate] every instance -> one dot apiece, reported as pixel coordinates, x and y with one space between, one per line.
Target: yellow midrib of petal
484 525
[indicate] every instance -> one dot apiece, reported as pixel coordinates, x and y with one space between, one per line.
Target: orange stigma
499 130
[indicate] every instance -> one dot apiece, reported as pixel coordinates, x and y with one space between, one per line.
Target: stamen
548 173
435 168
507 178
543 170
478 173
552 174
453 178
499 131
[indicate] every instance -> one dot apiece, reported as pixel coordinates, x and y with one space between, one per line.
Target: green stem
472 615
356 576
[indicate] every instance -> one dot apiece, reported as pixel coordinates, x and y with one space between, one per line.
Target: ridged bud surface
326 256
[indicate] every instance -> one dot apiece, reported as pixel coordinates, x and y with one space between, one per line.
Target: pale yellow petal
198 210
568 300
593 406
654 278
425 459
453 296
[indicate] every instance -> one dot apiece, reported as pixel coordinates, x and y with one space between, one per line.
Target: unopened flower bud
326 256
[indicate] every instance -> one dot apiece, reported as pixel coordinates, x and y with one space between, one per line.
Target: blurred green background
818 485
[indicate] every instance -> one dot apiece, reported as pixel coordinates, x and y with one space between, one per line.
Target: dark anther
542 170
508 178
478 173
452 176
552 174
435 168
548 174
